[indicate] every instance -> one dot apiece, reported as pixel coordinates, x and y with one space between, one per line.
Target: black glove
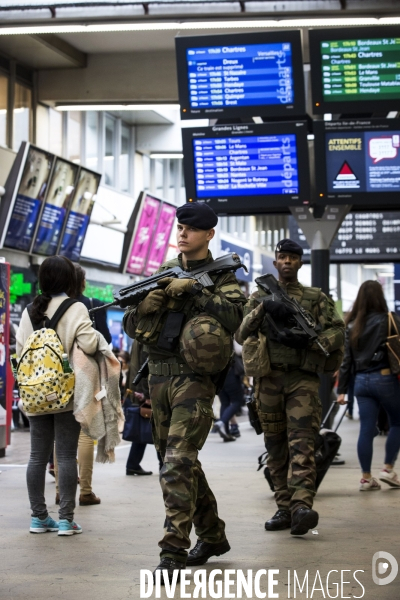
278 310
298 341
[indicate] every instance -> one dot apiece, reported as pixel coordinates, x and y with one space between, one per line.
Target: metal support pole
319 229
320 269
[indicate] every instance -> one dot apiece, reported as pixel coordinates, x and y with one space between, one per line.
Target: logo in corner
380 568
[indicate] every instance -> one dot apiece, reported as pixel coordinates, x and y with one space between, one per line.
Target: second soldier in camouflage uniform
287 398
181 398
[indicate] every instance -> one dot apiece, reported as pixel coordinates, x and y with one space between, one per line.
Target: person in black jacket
99 318
139 395
375 386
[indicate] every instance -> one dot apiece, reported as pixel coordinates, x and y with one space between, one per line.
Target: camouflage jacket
225 303
330 325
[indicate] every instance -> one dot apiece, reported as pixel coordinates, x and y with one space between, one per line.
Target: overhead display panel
358 162
362 237
60 192
355 70
26 193
243 169
239 75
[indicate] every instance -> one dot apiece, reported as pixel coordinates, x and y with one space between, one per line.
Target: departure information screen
249 165
362 236
367 69
251 74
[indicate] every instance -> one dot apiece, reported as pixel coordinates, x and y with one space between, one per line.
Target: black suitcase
327 446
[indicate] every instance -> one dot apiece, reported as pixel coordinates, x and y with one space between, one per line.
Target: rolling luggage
327 446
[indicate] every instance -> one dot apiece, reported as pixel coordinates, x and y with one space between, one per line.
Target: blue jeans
372 391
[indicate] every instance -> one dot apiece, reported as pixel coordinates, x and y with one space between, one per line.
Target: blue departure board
247 165
242 75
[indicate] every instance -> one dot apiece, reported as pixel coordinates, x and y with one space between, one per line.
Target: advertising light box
247 169
358 162
147 237
144 221
355 70
60 192
159 245
236 75
26 189
78 218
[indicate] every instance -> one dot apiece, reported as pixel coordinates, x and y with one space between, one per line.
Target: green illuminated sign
362 69
18 287
105 294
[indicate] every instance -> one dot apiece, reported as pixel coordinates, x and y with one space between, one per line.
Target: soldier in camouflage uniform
287 398
181 398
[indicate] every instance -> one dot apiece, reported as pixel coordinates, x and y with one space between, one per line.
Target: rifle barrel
92 310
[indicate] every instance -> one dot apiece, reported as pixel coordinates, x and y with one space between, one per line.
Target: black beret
287 245
197 214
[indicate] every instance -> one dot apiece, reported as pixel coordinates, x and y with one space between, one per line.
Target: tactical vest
150 326
307 360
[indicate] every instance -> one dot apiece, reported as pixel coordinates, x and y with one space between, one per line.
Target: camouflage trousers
290 414
181 421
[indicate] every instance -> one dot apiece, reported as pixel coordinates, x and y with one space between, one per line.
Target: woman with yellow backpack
47 332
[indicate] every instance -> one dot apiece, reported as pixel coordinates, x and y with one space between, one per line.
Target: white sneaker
390 477
369 485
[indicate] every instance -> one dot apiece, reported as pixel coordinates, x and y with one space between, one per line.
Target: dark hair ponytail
56 276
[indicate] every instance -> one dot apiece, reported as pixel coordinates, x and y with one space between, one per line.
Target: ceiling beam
62 48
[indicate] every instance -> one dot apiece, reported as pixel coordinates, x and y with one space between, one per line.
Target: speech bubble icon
381 148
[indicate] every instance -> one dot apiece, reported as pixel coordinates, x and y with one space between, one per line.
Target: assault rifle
304 321
131 295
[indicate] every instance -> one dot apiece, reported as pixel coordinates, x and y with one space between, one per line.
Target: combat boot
170 565
202 551
303 519
281 520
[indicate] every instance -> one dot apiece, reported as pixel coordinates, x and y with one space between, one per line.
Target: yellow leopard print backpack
43 385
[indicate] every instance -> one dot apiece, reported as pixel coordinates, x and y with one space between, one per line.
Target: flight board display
246 168
240 75
358 162
360 66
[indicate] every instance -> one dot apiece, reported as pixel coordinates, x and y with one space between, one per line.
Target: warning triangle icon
345 173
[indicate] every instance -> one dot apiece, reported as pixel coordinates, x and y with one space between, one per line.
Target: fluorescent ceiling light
82 107
389 267
193 25
166 155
